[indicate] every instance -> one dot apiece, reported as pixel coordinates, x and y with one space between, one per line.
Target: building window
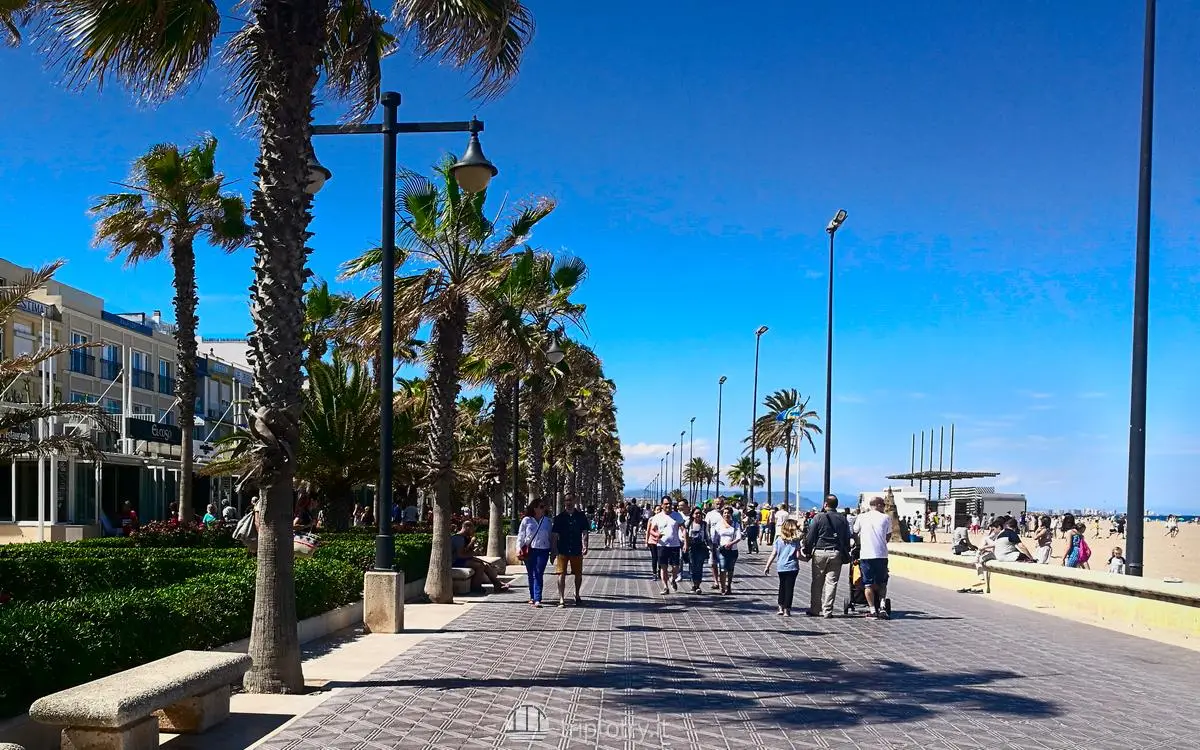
82 361
22 339
142 376
82 398
112 406
166 380
143 410
110 361
78 338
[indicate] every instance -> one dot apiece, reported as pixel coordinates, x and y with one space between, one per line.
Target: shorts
874 571
668 557
576 561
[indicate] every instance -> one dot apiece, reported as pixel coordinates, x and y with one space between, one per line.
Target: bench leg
141 735
195 715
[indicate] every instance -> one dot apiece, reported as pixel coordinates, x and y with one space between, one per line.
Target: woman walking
785 553
696 547
1074 541
652 537
725 538
1044 538
533 541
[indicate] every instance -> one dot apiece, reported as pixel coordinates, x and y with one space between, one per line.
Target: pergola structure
937 475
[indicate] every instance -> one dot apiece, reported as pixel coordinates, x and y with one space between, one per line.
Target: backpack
244 531
1085 552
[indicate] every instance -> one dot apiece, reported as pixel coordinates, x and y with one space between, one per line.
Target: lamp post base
383 601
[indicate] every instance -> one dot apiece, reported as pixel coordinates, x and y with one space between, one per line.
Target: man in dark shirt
827 540
568 545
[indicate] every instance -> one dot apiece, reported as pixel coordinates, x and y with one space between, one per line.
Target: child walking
785 553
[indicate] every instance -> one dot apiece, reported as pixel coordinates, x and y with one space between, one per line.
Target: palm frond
246 57
153 49
356 43
487 37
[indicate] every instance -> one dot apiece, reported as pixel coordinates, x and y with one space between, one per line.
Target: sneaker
664 592
828 615
716 587
779 613
883 615
870 616
538 605
562 604
675 583
787 613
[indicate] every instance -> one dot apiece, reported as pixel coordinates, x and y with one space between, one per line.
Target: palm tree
174 198
456 255
698 472
19 435
277 59
324 320
787 424
745 472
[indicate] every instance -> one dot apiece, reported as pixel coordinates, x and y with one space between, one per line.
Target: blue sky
986 154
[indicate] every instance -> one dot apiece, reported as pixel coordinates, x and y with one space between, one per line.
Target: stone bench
462 579
497 564
184 693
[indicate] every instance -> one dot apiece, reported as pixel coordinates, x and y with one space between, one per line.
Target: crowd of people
684 542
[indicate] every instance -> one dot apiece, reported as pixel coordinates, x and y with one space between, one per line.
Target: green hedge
53 645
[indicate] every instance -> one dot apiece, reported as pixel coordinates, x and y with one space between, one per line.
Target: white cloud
1009 481
645 450
1036 394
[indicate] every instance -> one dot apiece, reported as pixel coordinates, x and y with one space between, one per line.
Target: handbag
523 552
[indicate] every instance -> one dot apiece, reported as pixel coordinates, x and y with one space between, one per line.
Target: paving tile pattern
634 669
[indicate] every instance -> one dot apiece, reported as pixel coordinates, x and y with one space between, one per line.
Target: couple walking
828 545
565 538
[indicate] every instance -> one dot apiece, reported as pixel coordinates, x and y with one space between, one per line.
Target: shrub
52 645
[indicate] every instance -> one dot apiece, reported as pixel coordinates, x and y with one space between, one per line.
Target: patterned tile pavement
634 669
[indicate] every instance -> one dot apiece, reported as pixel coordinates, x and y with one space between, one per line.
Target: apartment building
129 367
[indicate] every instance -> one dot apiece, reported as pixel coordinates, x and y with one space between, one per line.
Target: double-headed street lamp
472 172
834 224
720 398
754 419
679 474
692 456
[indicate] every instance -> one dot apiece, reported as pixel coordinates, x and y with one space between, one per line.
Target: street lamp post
692 457
720 398
679 474
754 419
834 224
1135 510
671 469
472 172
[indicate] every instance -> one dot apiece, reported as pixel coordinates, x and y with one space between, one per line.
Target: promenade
633 669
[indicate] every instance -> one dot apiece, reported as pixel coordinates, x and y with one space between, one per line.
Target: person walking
713 520
751 530
684 511
828 543
652 538
533 543
569 545
725 538
786 553
668 524
766 518
695 547
873 529
1044 538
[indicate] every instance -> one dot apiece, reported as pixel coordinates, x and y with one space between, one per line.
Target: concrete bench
10 746
462 579
497 564
184 693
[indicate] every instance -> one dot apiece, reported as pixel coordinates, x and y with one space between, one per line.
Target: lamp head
555 353
836 221
473 171
722 380
761 330
317 176
693 420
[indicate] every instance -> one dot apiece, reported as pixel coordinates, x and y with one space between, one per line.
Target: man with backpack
828 543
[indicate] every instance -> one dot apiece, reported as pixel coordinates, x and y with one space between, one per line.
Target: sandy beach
1177 557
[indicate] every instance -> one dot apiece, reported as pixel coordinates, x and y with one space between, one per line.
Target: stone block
383 601
510 550
140 735
195 715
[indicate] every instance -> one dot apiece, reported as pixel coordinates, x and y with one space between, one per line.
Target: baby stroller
858 591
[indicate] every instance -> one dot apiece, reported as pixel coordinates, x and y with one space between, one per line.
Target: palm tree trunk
292 39
501 436
537 441
787 470
769 452
183 258
447 344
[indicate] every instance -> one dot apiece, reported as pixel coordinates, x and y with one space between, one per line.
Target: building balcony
143 379
166 385
83 363
109 369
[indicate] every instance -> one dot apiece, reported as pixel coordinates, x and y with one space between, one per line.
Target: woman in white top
533 543
725 537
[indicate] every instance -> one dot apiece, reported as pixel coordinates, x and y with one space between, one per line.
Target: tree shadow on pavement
785 691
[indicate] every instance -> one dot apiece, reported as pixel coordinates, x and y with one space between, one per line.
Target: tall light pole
720 398
834 224
1136 495
754 419
472 172
671 469
662 471
692 457
679 474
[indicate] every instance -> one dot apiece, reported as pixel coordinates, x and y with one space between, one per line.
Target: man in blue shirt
568 545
